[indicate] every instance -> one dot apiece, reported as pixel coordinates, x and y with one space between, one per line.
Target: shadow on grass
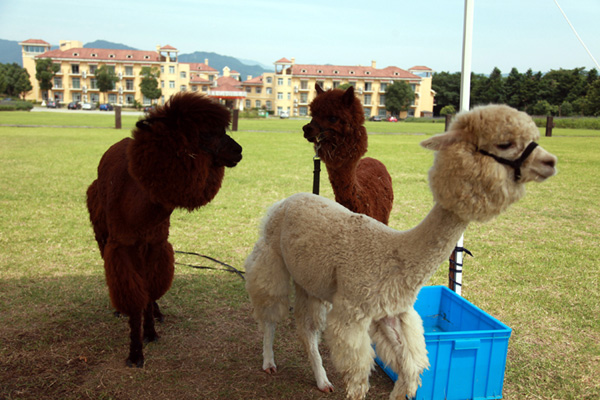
60 339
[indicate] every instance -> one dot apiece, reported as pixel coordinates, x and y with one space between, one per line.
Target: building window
129 71
129 99
269 90
172 84
303 98
368 87
182 74
76 83
279 81
258 90
194 88
205 88
112 98
93 69
382 99
93 84
367 100
303 85
279 96
289 81
248 103
268 104
383 87
129 84
269 80
162 84
182 88
57 82
336 84
162 69
257 103
303 111
74 68
171 69
248 89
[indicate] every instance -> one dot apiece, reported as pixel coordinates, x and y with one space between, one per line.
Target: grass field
536 268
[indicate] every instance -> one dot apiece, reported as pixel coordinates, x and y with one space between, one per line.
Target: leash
229 268
316 174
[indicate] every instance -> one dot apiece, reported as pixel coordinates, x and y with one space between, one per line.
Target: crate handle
466 344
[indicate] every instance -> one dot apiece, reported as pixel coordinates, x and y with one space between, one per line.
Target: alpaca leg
127 292
150 334
157 314
400 343
310 319
268 285
351 349
136 355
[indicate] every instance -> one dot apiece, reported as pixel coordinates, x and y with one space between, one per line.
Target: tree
149 83
593 99
513 89
14 80
398 97
448 110
447 90
106 79
488 90
45 70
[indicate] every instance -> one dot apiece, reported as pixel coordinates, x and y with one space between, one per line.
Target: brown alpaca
176 158
336 129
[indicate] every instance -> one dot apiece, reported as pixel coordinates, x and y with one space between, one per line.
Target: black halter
515 164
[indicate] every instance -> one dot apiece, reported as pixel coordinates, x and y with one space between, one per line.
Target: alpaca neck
344 183
431 243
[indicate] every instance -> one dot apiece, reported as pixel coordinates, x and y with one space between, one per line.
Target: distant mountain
103 44
218 62
10 52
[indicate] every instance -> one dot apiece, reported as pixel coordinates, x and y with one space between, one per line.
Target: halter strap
515 164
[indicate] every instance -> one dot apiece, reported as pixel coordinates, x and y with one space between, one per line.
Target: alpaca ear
348 97
319 89
438 142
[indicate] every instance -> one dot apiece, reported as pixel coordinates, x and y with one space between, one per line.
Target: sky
506 33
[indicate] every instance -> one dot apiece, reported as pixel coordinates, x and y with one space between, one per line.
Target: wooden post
448 119
117 117
234 122
549 125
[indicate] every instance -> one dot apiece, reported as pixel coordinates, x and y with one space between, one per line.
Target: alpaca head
180 151
483 161
336 128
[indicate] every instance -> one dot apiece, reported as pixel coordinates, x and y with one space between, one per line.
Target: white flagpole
465 97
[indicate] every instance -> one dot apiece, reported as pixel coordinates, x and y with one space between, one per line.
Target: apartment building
291 88
76 81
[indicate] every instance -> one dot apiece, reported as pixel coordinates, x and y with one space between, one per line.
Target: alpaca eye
333 119
504 146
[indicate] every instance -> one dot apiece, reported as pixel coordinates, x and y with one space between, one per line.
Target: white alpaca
368 274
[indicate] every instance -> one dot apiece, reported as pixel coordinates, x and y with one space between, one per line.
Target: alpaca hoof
151 338
327 389
271 370
138 364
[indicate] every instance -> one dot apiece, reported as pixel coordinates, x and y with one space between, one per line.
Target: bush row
570 123
15 106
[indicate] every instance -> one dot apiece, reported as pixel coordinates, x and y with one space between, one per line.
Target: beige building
291 88
287 90
76 79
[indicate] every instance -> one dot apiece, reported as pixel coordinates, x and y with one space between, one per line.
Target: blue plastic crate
466 348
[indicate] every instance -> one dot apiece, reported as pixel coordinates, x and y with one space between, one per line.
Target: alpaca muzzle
515 164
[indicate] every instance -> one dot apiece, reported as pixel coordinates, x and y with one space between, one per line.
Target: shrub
15 105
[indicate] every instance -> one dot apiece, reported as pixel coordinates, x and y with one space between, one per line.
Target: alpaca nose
550 161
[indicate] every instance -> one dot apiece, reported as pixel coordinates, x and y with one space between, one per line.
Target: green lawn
536 268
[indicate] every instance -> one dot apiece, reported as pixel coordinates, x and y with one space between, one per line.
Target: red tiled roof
35 41
198 80
420 68
168 47
349 72
254 81
102 55
283 61
201 67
